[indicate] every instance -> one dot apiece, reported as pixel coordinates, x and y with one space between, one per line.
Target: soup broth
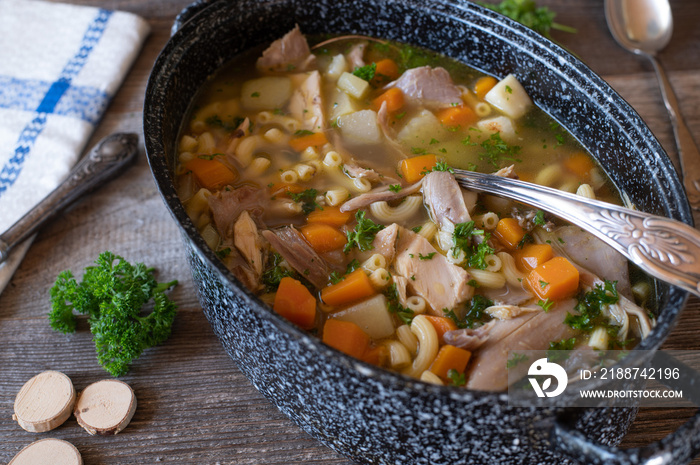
323 180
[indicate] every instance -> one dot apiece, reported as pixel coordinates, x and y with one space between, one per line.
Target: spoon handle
688 153
666 249
108 157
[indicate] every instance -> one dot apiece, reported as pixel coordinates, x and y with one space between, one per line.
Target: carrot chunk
301 143
579 164
459 116
284 188
509 232
413 169
450 358
442 325
483 85
355 286
555 279
322 237
386 70
533 255
211 173
376 355
329 215
295 303
347 337
393 98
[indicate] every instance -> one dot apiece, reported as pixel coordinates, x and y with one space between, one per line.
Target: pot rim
187 33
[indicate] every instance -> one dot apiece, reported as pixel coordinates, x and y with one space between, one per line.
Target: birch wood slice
50 450
44 402
105 407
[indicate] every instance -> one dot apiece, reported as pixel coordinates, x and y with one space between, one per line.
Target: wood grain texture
194 405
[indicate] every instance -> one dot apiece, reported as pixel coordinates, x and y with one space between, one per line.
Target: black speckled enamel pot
369 414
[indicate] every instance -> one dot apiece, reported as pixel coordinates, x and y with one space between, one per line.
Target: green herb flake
363 234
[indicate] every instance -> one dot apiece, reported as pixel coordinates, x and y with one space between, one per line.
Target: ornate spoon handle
666 249
109 156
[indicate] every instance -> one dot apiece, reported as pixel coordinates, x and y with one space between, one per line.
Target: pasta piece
257 167
511 273
246 148
585 190
427 345
386 214
487 278
188 144
598 339
482 109
332 159
375 262
398 355
428 230
380 278
407 338
429 377
456 256
487 221
362 184
207 144
185 157
309 153
336 197
493 263
641 291
337 67
289 176
416 304
305 172
285 207
275 136
549 175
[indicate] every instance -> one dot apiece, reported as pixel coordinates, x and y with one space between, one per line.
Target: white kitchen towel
60 65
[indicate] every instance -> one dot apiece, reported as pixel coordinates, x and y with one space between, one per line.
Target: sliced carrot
323 237
376 355
459 116
386 70
347 337
329 215
413 169
285 188
580 164
355 286
211 173
301 143
483 85
450 358
393 98
509 232
295 303
555 279
442 325
533 255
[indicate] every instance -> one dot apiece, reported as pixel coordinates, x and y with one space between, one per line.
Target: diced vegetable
371 315
323 237
360 127
285 188
459 116
329 215
533 255
387 70
415 168
499 124
442 325
393 98
353 85
356 286
376 355
450 358
510 97
295 303
509 233
579 164
304 141
555 279
211 173
483 85
347 337
266 93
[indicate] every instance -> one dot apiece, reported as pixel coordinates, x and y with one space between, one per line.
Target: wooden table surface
194 405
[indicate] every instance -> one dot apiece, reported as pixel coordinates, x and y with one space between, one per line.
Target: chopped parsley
394 306
363 234
516 359
553 353
476 254
539 218
229 126
255 94
274 273
335 277
303 132
456 378
495 150
366 72
307 198
527 13
474 314
395 187
546 304
590 307
426 257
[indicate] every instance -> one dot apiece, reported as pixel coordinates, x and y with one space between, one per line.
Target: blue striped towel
60 65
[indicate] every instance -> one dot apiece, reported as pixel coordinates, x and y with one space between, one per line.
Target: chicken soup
323 178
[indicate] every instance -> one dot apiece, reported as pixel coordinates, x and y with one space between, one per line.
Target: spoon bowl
644 27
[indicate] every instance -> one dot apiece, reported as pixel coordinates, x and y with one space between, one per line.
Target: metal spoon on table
644 27
104 161
666 249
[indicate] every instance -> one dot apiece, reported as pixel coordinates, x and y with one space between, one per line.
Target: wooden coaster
105 407
49 450
44 402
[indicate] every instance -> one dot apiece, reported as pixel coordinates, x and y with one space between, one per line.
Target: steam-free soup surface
323 180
